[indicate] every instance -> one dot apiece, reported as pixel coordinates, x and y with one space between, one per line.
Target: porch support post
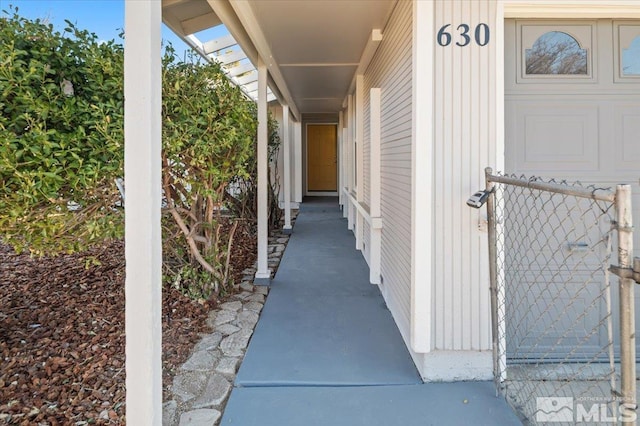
375 251
143 243
422 199
346 206
297 140
263 274
350 161
359 128
340 161
286 142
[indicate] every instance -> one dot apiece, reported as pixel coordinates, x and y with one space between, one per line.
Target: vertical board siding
366 149
366 142
464 139
390 70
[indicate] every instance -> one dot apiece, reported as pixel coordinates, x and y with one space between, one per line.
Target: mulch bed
62 336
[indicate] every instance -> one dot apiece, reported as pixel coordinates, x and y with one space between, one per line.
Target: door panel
322 158
579 128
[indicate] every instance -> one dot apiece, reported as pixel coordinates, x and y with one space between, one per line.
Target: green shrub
61 150
61 133
208 133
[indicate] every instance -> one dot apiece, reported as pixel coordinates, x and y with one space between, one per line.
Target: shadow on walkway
326 350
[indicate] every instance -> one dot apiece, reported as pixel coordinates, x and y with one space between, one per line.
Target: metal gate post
493 274
627 314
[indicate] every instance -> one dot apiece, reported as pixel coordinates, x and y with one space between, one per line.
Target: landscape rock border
202 385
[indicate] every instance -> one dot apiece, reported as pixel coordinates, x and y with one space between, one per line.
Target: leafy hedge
61 136
209 128
62 150
62 140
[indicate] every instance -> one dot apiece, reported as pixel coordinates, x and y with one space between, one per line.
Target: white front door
572 111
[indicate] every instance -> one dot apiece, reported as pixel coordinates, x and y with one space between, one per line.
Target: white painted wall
465 136
462 96
390 70
463 143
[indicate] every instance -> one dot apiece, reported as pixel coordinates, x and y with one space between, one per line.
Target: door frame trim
307 193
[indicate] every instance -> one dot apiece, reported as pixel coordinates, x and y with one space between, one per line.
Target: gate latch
478 199
628 273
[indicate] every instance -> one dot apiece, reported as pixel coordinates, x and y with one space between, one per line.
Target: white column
346 206
297 161
286 147
359 128
350 162
143 243
422 181
375 209
263 274
340 161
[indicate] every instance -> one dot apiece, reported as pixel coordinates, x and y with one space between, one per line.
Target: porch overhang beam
199 23
229 57
219 44
248 78
169 3
240 69
227 15
176 27
249 22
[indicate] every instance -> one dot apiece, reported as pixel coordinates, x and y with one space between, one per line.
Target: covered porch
304 61
353 65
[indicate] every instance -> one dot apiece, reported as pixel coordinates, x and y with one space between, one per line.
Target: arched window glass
556 53
631 58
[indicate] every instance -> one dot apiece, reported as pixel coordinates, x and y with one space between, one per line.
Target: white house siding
366 182
468 135
463 144
390 70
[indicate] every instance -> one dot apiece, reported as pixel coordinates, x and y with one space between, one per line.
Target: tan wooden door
322 158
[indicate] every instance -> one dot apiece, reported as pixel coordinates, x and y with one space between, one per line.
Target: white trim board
569 9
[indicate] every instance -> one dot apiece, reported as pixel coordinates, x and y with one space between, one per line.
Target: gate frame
627 272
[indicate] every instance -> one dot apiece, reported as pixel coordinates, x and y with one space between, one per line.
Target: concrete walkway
326 350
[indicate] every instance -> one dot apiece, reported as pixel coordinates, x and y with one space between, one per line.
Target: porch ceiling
312 47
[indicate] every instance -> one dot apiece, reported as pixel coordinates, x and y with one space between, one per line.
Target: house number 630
481 35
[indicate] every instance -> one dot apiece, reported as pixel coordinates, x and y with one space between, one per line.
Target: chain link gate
554 303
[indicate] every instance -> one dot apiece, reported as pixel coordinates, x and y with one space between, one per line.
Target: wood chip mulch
62 338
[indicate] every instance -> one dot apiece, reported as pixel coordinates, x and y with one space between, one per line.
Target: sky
105 18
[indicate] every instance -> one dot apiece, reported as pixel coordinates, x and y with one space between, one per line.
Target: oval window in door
556 53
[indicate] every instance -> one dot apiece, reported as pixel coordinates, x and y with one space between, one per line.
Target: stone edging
202 385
